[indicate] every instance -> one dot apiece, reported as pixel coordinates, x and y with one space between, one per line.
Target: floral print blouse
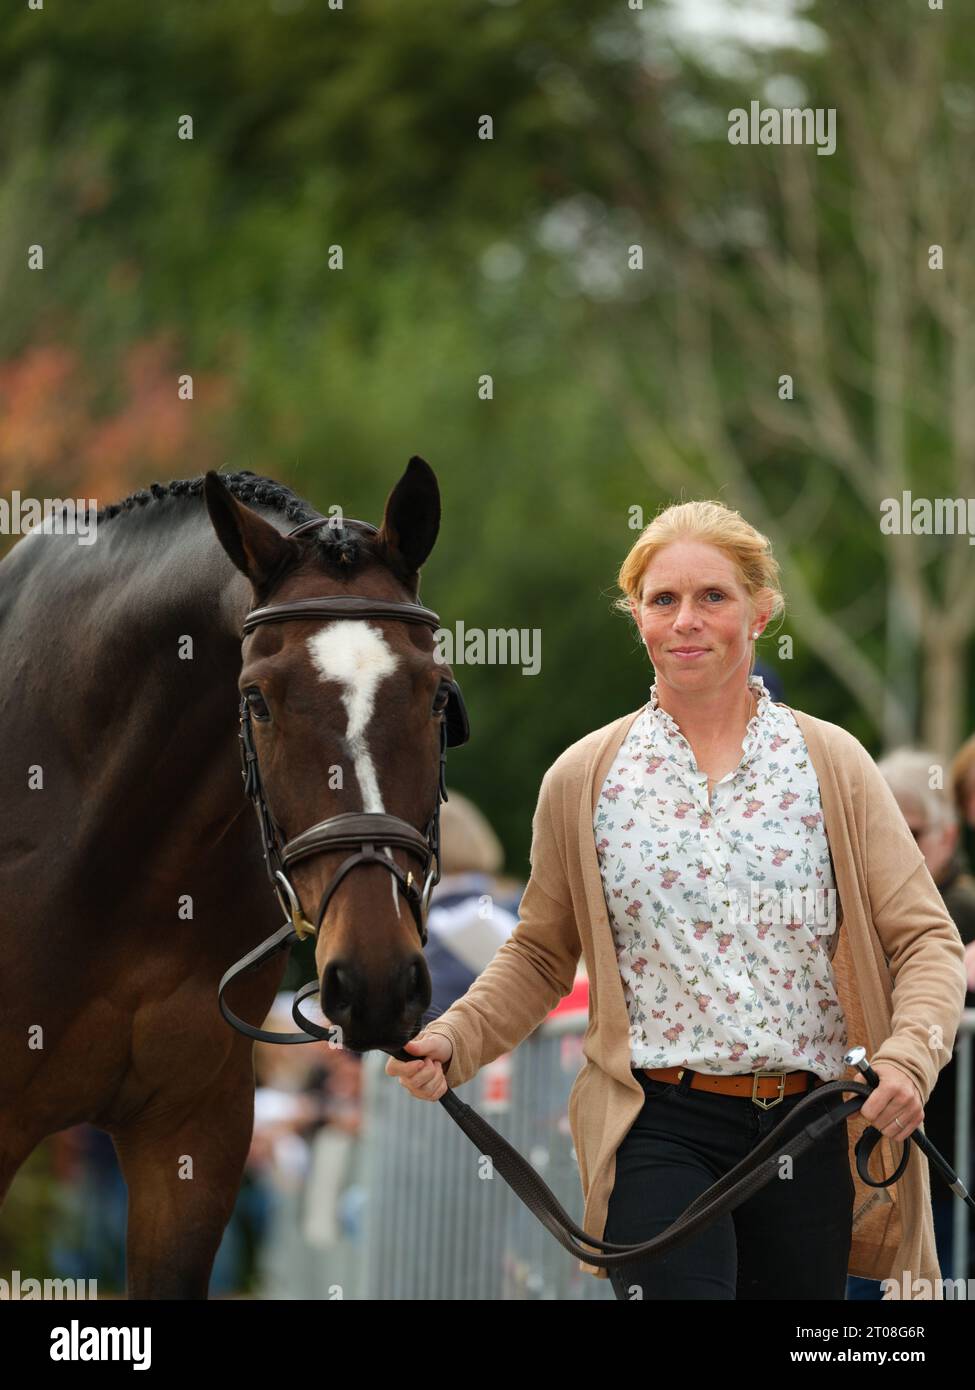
723 911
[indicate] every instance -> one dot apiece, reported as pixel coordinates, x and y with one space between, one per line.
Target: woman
710 1018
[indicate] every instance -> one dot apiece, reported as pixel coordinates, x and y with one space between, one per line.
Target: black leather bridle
366 833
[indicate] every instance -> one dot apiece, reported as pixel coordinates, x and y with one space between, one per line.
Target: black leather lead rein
757 1168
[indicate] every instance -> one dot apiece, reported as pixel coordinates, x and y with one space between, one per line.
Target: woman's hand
896 1098
423 1078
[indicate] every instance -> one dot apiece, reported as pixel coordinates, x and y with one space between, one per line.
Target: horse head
345 716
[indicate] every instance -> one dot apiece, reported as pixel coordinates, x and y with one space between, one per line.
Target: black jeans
789 1240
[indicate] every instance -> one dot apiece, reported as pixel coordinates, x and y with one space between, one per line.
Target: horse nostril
416 981
341 983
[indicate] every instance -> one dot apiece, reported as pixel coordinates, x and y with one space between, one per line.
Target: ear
411 520
761 612
256 548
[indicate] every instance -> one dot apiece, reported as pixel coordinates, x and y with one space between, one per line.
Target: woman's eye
710 594
256 705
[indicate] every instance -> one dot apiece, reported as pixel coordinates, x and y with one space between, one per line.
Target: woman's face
696 618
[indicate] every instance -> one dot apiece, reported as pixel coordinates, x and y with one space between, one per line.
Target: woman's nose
685 618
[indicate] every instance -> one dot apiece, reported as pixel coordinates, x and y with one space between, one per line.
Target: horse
133 869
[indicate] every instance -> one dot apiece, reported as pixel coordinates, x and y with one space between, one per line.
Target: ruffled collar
670 729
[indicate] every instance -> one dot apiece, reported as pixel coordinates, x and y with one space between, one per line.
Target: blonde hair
715 524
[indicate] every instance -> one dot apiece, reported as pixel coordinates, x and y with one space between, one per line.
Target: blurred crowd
939 810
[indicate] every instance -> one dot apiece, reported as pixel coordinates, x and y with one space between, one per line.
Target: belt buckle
756 1098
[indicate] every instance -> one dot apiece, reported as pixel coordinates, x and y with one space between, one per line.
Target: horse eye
440 704
256 705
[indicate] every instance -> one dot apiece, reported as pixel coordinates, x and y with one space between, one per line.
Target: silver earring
754 635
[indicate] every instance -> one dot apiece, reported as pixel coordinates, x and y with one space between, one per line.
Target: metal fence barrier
438 1224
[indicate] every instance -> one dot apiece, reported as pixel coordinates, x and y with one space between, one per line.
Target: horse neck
147 713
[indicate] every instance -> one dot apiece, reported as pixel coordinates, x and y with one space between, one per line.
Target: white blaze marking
358 658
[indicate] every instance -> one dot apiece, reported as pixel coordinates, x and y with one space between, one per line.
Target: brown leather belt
764 1088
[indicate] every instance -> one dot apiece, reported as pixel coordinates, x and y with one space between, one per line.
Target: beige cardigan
898 965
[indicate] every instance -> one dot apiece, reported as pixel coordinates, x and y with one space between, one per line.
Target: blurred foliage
357 127
27 1222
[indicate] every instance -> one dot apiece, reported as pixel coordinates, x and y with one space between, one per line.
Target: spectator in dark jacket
932 814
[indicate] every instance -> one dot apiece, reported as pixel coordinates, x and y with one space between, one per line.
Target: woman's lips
688 655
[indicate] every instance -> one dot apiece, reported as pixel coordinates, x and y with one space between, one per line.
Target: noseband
367 833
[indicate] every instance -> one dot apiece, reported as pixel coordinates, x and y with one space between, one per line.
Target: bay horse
132 871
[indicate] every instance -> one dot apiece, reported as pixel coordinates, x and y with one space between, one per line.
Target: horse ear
255 547
411 520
